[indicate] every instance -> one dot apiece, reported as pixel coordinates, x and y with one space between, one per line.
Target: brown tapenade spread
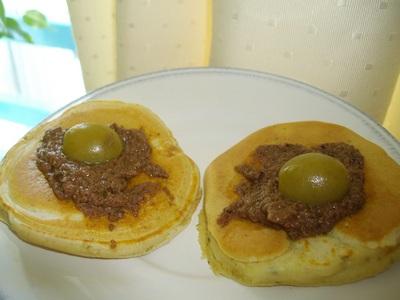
260 201
103 189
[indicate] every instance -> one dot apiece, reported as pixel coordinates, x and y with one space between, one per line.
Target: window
37 79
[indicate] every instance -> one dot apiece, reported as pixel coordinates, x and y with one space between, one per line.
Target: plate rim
392 144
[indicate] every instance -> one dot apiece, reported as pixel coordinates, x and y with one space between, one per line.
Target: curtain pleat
94 28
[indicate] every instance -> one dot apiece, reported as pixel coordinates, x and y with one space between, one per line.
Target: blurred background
36 78
64 49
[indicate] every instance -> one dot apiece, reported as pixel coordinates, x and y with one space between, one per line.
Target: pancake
30 209
359 246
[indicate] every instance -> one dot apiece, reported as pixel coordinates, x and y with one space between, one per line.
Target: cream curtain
95 33
119 39
350 48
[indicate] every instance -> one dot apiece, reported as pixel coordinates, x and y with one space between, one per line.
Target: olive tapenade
260 201
101 189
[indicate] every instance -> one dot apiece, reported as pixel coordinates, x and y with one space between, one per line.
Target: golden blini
30 209
359 246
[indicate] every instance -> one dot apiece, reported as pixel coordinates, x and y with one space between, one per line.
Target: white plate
208 110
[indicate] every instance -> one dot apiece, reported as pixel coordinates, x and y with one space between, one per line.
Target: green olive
313 178
91 143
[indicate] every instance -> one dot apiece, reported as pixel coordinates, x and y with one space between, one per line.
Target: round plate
208 110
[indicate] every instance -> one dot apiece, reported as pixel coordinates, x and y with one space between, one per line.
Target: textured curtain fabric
350 48
119 39
392 119
94 25
154 35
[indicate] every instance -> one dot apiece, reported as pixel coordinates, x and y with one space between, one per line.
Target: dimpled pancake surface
31 210
359 246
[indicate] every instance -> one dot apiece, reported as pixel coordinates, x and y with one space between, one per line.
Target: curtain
348 48
119 39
